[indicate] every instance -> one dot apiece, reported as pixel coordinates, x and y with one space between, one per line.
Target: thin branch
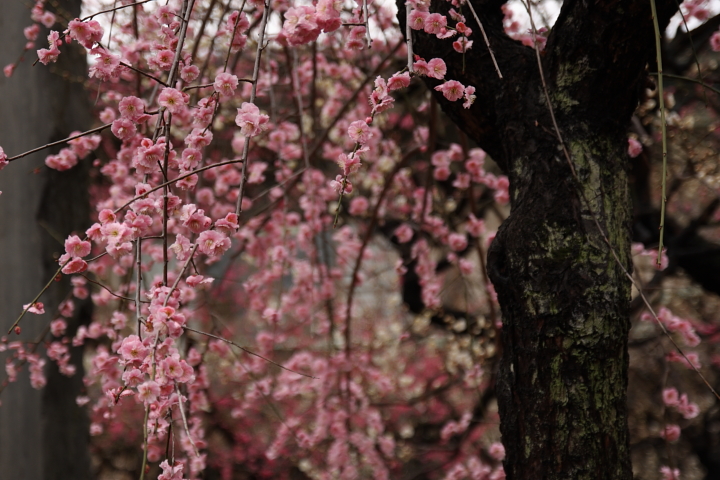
280 184
253 92
179 277
688 79
185 423
206 85
181 41
298 98
94 130
232 36
138 284
170 182
201 33
89 17
432 137
408 35
152 77
165 216
487 41
368 40
249 352
37 297
663 126
110 291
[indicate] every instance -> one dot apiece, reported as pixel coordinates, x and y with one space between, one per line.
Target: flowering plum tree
292 259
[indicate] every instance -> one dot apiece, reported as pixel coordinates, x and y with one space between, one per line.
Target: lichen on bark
564 297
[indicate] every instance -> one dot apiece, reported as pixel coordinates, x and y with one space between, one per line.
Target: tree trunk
558 261
43 433
563 375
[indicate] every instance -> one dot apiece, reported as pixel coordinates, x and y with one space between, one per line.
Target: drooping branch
496 97
595 63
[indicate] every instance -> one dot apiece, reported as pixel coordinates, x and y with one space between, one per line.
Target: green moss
528 446
569 75
558 392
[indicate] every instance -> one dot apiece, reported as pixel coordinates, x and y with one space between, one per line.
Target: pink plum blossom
131 108
452 90
172 99
57 327
300 25
85 33
359 132
671 433
462 45
417 19
715 42
132 349
226 84
189 73
75 265
64 160
469 96
457 242
3 159
106 64
634 147
669 474
434 23
436 68
213 243
37 308
250 120
404 233
421 67
148 392
123 128
171 472
398 80
358 206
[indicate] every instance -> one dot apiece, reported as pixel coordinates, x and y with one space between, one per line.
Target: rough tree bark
43 433
562 382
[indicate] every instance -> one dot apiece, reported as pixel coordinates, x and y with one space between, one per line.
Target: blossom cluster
231 318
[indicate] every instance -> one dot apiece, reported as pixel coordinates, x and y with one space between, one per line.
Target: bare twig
37 297
89 17
485 37
65 140
249 352
138 284
408 35
368 40
109 291
663 126
170 182
688 79
298 98
184 419
180 274
206 85
253 92
152 77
